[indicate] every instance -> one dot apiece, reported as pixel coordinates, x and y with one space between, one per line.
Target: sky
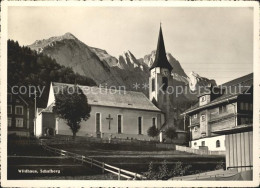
216 43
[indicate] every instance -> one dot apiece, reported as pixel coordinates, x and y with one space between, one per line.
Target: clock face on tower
165 72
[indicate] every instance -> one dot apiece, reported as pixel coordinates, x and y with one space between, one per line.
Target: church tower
159 81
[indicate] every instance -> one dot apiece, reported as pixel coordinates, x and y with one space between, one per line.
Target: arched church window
165 83
153 84
140 122
154 121
217 143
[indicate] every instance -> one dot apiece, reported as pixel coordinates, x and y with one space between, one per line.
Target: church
119 114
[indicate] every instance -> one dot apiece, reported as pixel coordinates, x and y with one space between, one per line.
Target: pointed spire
160 57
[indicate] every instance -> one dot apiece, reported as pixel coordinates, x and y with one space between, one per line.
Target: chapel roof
112 98
160 57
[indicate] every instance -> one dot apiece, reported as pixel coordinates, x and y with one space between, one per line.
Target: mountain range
107 70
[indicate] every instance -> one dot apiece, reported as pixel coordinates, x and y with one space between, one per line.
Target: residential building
226 106
18 120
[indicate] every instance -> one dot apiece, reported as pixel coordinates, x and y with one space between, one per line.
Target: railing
58 139
216 116
249 166
199 151
104 167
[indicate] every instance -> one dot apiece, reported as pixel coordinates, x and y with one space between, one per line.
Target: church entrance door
49 131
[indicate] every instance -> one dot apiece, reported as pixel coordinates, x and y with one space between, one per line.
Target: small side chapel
126 115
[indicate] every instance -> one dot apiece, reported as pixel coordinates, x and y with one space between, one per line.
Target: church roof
112 98
233 89
160 57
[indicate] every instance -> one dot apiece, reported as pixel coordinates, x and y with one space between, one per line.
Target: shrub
153 131
164 173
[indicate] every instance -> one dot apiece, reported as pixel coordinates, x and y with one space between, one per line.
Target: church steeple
160 57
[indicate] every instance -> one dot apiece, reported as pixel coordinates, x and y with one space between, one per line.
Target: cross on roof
109 118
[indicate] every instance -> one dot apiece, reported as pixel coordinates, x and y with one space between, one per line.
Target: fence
104 167
22 141
60 139
166 146
199 151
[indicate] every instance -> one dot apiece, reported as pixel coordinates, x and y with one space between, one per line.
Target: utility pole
35 112
184 122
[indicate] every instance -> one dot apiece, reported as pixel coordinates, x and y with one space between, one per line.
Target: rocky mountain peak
129 62
68 35
196 80
39 45
100 66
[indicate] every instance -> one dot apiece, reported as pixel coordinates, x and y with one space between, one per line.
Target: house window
222 109
9 109
250 106
154 121
202 143
203 98
9 122
165 83
19 122
217 144
195 143
19 110
246 106
153 84
139 125
9 97
195 116
203 117
98 122
241 106
119 123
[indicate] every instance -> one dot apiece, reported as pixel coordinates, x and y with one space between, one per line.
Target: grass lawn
137 159
27 158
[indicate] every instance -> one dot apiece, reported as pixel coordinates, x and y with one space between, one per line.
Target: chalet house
228 106
18 115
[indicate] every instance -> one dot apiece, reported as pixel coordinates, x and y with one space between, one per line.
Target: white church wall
129 123
38 126
210 142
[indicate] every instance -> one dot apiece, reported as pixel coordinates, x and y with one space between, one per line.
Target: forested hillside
26 67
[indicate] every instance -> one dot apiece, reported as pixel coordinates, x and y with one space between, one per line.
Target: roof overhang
122 107
210 105
236 129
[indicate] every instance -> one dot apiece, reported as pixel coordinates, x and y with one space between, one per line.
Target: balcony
220 117
195 121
